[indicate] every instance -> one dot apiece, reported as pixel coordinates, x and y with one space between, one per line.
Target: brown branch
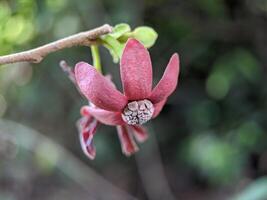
36 55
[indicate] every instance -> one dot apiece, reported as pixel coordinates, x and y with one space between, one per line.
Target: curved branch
36 55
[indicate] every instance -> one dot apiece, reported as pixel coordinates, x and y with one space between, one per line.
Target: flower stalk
96 58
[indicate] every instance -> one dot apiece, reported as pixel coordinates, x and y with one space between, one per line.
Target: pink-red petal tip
136 70
168 82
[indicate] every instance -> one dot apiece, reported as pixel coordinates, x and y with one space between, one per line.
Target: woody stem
36 55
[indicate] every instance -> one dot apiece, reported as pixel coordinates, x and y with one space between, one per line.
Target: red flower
137 105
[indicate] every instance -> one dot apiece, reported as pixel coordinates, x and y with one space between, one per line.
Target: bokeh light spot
217 85
13 28
55 5
66 26
249 134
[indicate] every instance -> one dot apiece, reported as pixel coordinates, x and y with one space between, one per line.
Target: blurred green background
210 141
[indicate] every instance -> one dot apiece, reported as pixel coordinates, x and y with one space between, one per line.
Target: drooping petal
88 149
136 70
98 89
106 117
128 144
84 111
87 146
140 133
158 107
168 82
87 126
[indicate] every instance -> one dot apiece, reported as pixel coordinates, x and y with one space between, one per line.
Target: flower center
138 112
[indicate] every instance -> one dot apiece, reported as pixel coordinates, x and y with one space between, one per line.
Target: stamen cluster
138 112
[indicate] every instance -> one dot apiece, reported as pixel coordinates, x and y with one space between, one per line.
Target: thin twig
36 55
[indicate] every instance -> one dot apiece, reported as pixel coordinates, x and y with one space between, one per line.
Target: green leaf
114 55
114 46
116 40
119 30
146 35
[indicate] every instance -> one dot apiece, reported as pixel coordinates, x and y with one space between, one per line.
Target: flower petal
87 129
106 117
140 133
168 82
109 78
98 89
128 144
84 111
158 107
136 70
89 150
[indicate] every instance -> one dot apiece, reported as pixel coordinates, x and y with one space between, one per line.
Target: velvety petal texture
98 89
168 82
128 144
106 117
136 71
